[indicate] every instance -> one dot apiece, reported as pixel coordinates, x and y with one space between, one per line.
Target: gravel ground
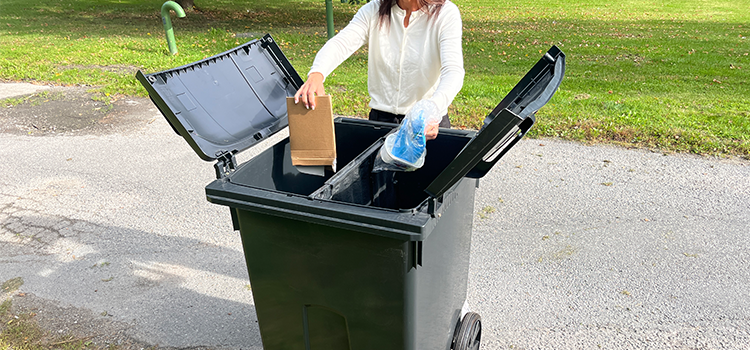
574 246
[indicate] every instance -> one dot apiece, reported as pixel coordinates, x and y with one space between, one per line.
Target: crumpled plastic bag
405 148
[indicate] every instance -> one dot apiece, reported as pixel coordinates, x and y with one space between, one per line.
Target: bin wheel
469 333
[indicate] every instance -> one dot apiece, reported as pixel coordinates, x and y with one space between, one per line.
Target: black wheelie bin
352 260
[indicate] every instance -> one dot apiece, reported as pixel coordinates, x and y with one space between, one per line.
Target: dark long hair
431 7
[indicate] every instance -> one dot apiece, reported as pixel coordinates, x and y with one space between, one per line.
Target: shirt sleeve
348 40
451 58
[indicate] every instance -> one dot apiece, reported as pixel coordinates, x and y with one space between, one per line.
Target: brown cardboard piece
311 133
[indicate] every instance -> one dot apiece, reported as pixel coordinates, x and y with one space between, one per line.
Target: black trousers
381 116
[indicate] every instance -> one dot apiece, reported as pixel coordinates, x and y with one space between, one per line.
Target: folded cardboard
311 133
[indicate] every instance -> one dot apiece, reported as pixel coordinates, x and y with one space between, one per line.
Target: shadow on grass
636 61
108 18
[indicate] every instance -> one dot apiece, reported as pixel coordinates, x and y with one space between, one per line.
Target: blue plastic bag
409 143
405 149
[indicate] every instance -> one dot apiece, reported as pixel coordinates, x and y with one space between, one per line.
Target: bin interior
357 144
357 184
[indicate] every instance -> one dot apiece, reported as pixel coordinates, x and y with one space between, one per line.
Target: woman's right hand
312 87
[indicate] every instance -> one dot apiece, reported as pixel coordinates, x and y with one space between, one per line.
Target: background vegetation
670 75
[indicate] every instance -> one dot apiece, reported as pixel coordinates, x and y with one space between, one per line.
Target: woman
414 51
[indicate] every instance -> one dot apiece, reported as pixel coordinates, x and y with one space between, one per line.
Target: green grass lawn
668 75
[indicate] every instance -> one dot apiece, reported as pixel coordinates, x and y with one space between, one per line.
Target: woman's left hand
431 131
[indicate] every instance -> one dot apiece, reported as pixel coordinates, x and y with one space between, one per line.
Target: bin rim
403 225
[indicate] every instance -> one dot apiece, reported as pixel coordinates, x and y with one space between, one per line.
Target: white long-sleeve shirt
405 65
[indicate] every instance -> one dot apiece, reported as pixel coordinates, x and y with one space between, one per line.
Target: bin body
321 281
352 260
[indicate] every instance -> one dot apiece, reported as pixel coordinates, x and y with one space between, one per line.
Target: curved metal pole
170 5
329 17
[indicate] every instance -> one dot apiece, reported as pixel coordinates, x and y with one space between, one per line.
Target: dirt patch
98 330
72 111
116 68
59 321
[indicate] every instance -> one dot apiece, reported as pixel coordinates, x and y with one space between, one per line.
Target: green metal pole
170 5
329 17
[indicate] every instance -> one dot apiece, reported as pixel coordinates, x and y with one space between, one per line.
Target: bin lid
506 124
229 102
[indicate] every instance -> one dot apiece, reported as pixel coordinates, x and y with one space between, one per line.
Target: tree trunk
186 4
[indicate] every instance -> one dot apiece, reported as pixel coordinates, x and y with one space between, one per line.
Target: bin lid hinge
432 204
225 164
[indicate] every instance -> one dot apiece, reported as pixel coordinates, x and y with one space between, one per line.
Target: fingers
312 87
299 92
310 99
304 94
431 131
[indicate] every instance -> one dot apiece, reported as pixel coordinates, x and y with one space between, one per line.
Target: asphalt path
574 246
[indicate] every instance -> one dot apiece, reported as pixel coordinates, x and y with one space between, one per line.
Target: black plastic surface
356 183
358 143
536 88
506 124
228 102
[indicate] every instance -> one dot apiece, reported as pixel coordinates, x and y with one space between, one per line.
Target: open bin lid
506 124
226 103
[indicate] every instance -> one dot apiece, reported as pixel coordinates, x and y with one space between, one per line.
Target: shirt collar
399 12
